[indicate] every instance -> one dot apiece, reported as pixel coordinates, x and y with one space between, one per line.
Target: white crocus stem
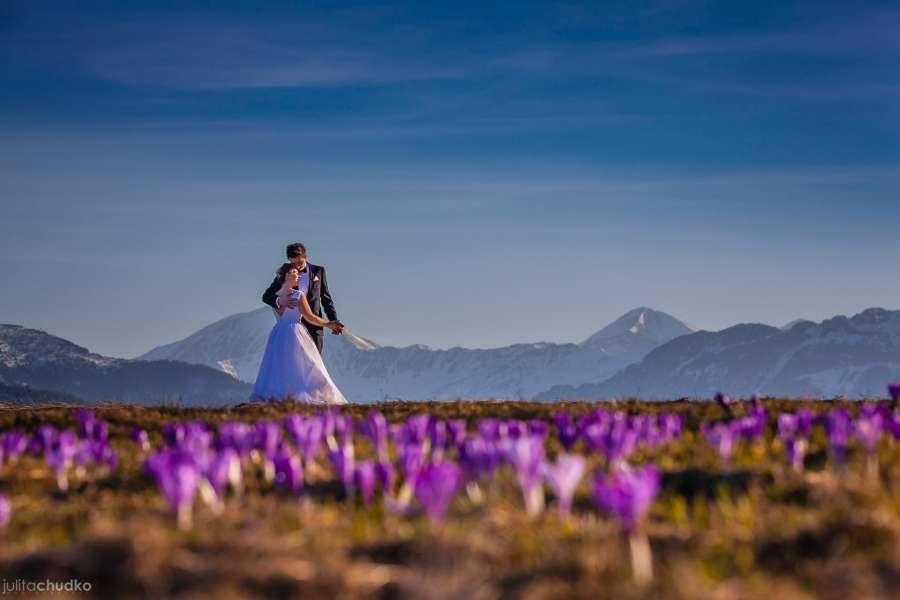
185 516
474 492
641 558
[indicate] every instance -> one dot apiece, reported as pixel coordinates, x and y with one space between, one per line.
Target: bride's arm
279 309
311 317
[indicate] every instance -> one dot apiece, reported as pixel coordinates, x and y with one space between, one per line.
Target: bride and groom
292 365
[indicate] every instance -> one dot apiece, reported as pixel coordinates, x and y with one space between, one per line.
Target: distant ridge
366 371
853 357
34 364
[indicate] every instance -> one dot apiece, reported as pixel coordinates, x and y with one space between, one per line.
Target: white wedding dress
292 366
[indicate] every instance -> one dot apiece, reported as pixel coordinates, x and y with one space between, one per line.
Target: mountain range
367 372
645 353
37 366
853 357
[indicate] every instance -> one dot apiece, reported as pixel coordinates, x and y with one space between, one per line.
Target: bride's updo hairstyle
283 271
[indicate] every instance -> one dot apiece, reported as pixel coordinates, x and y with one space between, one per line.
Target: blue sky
471 174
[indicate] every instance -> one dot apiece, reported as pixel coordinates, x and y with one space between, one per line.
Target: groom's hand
338 327
290 302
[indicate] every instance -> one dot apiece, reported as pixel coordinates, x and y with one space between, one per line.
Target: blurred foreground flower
563 478
628 494
177 477
5 511
526 455
435 487
721 436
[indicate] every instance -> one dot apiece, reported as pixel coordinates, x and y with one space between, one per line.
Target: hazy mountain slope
19 394
366 371
841 356
33 358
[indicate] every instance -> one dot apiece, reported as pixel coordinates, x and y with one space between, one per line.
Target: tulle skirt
292 367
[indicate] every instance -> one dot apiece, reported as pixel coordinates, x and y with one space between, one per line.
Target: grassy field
753 529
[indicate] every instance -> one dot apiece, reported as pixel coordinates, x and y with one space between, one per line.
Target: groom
313 284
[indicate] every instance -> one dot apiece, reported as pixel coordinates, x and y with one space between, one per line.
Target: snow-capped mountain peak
642 322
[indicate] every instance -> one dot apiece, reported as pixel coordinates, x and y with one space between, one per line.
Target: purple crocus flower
364 477
868 430
343 460
141 438
805 420
288 471
614 439
267 438
838 425
417 427
526 455
538 427
796 451
102 453
386 475
627 494
59 456
672 426
90 427
343 428
223 468
438 438
563 478
193 436
516 428
375 427
5 511
177 477
491 429
42 439
457 430
787 426
566 430
328 420
308 434
412 459
236 435
722 437
476 457
12 445
435 487
751 427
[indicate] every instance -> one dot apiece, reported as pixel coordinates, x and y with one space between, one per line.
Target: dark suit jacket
318 297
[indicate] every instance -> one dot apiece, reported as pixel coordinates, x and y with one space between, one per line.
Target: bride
292 366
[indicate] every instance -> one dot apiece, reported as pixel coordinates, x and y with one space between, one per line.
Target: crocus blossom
364 478
627 494
177 477
435 487
526 456
721 436
5 511
563 478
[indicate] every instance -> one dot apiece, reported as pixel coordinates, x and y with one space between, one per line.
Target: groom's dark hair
294 250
